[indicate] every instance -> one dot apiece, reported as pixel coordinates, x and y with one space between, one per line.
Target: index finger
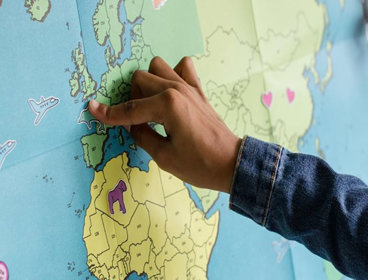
132 112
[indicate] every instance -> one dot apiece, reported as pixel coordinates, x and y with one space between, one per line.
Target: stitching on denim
273 175
238 159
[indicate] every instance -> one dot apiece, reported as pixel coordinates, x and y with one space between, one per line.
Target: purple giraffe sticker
4 273
117 195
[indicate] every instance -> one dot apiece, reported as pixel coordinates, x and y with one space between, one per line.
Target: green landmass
331 272
134 8
74 83
107 25
262 48
81 80
93 147
170 32
39 9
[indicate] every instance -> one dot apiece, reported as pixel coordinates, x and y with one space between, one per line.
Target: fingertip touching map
80 200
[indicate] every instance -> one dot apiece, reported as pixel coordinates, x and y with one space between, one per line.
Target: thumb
132 112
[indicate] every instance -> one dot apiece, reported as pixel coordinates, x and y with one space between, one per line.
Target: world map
79 200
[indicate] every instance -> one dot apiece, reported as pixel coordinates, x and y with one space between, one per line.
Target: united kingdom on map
80 200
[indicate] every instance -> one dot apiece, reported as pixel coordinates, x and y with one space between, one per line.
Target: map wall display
79 200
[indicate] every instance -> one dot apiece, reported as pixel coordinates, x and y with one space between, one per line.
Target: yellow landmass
320 153
113 173
170 183
150 188
138 228
200 229
157 234
151 266
97 241
39 9
140 255
184 243
178 213
157 229
326 79
166 254
191 259
200 256
176 268
315 74
114 237
196 273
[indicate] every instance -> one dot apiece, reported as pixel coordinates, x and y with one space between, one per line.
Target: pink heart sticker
290 95
4 273
267 99
157 4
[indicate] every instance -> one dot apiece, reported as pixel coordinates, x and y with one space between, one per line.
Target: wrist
233 164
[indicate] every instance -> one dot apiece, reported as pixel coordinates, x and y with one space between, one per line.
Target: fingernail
93 104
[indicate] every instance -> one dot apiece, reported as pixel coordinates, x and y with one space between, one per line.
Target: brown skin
199 148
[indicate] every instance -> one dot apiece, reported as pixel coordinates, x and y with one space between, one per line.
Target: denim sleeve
300 197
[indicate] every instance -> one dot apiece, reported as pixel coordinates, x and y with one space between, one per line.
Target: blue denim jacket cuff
253 180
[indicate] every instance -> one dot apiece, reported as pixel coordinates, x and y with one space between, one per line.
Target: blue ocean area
42 213
134 276
339 113
36 62
194 196
112 148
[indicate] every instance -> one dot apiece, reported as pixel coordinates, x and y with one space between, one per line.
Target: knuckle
172 97
187 60
136 75
179 87
108 115
128 108
155 61
130 105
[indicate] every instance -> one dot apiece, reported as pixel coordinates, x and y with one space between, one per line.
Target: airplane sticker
6 149
42 107
86 118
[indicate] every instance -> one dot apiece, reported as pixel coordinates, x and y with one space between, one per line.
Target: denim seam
273 176
238 159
